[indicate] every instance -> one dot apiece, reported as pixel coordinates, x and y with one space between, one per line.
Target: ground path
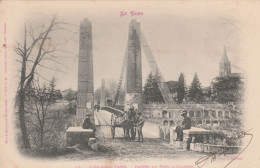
151 147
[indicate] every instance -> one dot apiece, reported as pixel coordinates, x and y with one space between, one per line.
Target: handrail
113 110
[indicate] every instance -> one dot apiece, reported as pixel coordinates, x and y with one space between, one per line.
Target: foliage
152 93
38 101
58 95
173 86
70 95
207 93
37 50
229 130
181 89
227 89
72 108
195 90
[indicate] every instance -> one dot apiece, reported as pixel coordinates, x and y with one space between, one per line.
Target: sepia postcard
129 84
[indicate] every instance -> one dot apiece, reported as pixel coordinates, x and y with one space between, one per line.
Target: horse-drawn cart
125 122
116 121
119 118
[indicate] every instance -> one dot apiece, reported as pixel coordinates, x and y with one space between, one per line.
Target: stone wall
169 115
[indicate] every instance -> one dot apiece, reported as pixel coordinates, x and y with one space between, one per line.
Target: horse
128 126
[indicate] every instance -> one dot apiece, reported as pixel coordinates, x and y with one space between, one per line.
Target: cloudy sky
185 40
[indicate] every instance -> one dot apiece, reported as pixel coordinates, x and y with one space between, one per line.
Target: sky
185 42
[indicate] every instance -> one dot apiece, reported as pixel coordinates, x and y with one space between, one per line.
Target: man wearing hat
139 126
87 123
186 124
131 117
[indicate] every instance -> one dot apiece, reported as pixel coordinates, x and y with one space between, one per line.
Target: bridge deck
118 148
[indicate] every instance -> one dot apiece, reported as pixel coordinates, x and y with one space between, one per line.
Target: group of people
136 120
137 124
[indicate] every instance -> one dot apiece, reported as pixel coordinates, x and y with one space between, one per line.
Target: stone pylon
102 95
85 95
133 94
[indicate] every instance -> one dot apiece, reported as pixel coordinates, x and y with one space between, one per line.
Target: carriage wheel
113 120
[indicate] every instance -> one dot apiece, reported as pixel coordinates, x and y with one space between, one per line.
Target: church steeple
225 57
225 65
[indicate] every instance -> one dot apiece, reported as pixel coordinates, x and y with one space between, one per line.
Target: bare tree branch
57 70
37 46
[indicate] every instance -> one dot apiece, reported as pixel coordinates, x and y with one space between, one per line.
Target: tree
151 91
37 47
181 89
147 89
38 101
206 91
227 89
72 108
195 90
70 95
172 85
57 93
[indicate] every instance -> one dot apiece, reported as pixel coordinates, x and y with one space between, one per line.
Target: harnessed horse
128 125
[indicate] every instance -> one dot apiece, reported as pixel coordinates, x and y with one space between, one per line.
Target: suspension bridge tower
133 94
85 95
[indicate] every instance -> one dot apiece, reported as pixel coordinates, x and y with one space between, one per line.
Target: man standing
139 126
186 124
131 117
87 124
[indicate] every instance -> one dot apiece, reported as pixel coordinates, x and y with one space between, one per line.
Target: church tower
224 65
